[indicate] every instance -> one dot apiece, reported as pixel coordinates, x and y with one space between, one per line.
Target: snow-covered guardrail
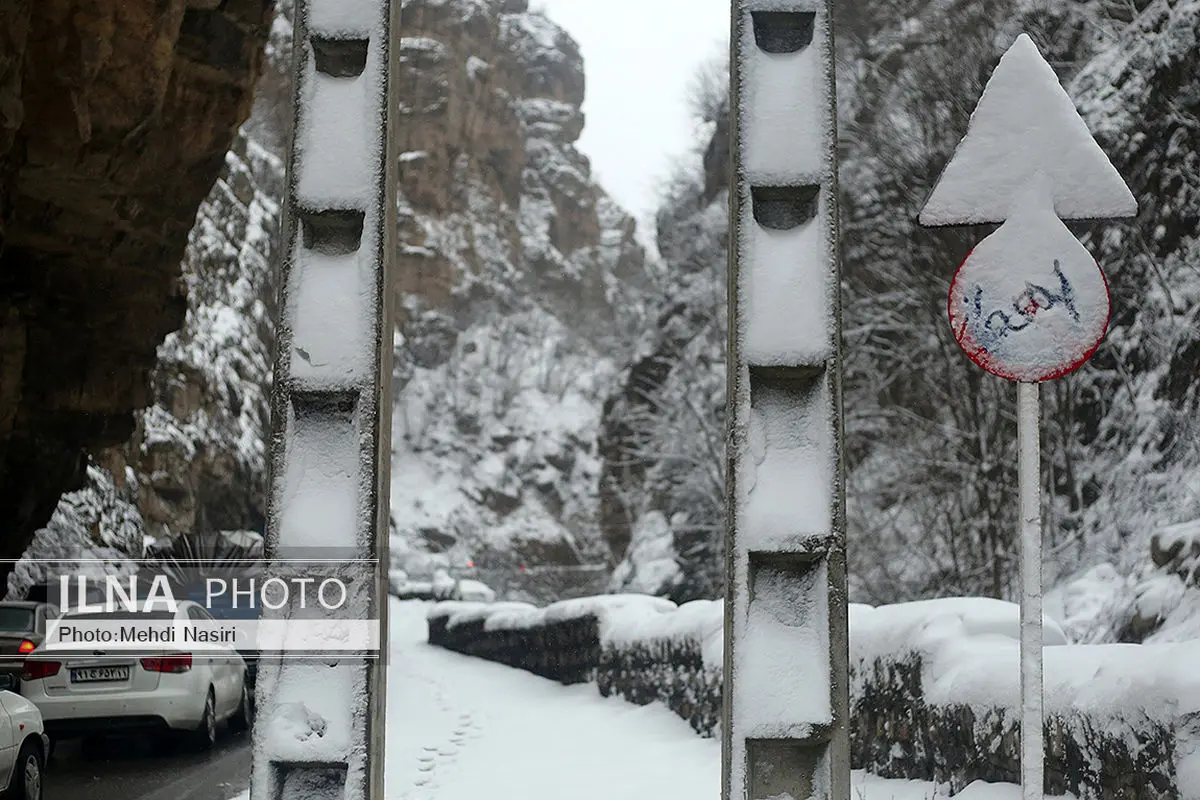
934 685
561 642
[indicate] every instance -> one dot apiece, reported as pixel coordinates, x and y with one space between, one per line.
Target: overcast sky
639 57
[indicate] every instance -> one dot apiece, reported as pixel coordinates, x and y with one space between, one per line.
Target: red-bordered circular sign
1029 305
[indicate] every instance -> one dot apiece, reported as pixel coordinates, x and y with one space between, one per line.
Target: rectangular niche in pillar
785 768
332 232
783 31
783 659
332 301
310 781
784 91
320 696
782 208
340 58
786 280
788 472
321 485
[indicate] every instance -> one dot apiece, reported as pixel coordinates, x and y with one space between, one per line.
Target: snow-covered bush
935 694
674 658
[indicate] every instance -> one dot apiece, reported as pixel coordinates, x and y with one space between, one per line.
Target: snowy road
460 728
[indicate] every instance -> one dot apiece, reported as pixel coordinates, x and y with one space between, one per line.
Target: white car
23 747
87 691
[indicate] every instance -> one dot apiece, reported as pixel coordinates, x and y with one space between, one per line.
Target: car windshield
16 620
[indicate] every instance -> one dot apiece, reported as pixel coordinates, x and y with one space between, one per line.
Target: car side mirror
9 682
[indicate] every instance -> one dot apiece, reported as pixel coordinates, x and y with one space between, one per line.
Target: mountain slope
518 282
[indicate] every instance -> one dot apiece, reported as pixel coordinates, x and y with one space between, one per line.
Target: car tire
28 774
205 734
243 718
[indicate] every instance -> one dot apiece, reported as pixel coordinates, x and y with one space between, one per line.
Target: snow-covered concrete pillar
786 642
320 722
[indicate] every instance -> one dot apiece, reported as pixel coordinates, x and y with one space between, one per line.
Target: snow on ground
460 728
475 726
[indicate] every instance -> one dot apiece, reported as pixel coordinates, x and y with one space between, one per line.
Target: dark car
22 628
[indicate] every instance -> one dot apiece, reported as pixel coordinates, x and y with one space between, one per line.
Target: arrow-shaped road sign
1029 303
1025 123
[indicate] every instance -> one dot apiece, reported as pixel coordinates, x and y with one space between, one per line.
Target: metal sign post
786 695
1029 303
1030 508
319 734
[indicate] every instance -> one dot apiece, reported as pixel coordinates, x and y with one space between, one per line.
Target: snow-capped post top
1025 123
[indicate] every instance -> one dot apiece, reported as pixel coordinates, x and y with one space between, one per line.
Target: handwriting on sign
991 329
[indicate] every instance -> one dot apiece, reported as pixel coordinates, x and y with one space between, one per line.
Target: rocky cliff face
95 530
115 117
197 459
518 282
498 204
662 487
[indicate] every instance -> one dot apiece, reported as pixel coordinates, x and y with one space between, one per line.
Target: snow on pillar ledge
320 721
786 653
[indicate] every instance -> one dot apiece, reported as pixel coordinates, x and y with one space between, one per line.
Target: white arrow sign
1029 303
1025 123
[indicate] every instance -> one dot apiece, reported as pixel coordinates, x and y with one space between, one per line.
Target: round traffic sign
1029 303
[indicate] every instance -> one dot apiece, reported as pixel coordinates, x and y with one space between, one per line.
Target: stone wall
566 651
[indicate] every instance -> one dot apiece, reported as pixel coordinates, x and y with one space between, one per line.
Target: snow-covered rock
94 531
198 455
518 279
651 562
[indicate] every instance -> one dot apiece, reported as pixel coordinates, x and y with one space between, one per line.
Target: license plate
97 674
